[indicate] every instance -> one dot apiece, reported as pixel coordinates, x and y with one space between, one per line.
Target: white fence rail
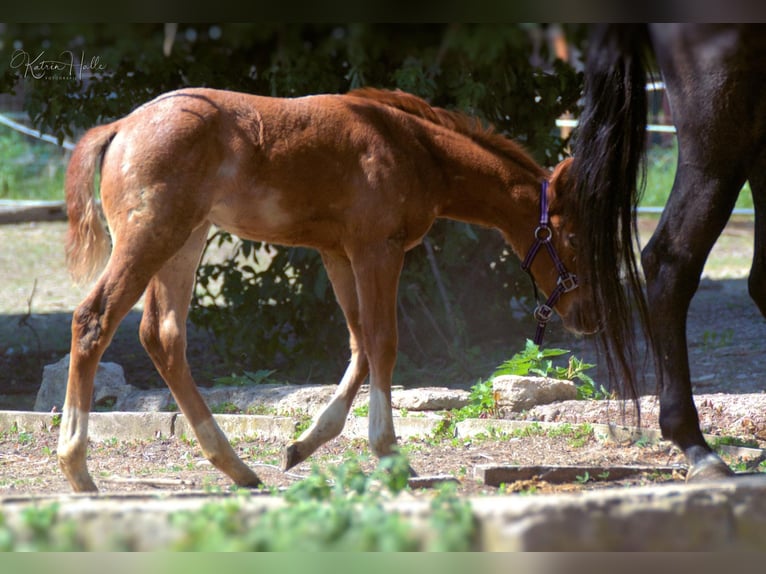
5 120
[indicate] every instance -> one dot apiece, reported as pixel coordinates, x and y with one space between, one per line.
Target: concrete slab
241 426
405 427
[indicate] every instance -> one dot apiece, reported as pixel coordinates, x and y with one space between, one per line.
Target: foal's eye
572 239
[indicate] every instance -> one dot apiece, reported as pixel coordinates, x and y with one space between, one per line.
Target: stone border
728 515
151 425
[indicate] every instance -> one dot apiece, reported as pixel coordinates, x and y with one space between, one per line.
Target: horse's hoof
710 467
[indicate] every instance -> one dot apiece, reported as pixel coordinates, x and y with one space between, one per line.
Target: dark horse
715 77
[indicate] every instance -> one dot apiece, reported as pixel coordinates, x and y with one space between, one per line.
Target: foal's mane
459 122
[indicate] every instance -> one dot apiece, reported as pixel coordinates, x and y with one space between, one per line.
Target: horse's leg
330 421
697 211
163 335
757 280
94 323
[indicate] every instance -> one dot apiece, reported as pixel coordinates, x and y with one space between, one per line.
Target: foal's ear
560 175
560 181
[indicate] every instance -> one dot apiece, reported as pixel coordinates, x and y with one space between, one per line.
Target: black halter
566 281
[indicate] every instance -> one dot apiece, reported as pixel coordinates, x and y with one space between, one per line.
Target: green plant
303 422
537 361
25 437
361 410
481 404
714 340
261 409
225 408
583 478
338 509
581 434
481 400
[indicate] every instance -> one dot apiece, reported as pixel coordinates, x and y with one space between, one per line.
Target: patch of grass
31 169
171 407
259 377
712 340
661 171
361 410
733 441
261 409
225 408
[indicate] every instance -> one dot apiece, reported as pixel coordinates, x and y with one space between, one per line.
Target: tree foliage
270 302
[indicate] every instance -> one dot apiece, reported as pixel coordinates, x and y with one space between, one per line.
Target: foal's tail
608 172
88 244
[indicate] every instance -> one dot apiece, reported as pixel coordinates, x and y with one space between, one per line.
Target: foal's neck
499 194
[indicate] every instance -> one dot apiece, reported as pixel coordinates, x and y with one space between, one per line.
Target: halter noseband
566 281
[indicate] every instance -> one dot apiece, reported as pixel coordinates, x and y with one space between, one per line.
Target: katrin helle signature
65 67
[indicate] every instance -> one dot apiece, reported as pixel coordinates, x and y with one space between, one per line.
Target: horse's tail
609 177
88 244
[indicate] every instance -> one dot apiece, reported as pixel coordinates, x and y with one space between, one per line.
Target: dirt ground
725 341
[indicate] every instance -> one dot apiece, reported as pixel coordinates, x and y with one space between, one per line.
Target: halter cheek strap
566 281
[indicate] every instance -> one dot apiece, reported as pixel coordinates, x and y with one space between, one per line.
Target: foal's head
560 281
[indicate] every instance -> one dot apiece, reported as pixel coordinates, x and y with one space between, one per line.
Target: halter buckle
568 282
543 313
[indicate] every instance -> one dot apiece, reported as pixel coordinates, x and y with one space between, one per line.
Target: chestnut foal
360 177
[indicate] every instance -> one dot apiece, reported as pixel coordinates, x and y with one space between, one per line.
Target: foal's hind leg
163 334
93 325
330 421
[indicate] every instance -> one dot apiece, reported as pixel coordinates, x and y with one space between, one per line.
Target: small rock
515 393
110 385
435 399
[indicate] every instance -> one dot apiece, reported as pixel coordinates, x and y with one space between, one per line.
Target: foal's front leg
366 286
330 421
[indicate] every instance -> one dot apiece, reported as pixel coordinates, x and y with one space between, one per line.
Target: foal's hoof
708 468
254 482
292 456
